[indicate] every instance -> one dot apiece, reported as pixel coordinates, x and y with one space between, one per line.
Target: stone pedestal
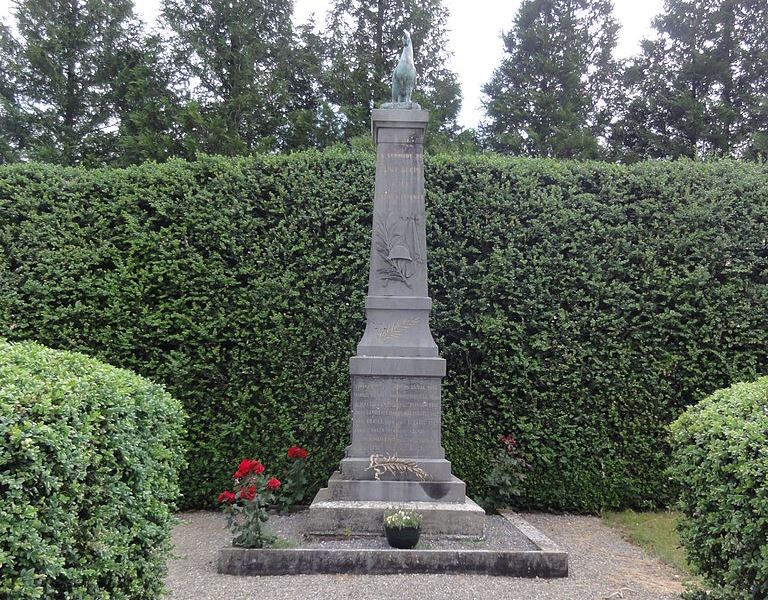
396 374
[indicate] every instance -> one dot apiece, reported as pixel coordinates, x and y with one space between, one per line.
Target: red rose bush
245 507
295 481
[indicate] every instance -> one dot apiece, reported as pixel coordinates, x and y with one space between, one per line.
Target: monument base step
397 492
514 549
355 467
330 517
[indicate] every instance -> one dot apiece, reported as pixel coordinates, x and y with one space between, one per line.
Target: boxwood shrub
720 460
89 456
580 306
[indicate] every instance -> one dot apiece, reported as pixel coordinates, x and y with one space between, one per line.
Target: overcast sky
474 31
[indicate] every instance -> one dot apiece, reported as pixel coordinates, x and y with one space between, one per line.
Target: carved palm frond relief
394 330
395 466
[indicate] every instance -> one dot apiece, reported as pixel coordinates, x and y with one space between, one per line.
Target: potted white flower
402 527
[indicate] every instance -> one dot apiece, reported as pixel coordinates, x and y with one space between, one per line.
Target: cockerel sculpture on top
404 75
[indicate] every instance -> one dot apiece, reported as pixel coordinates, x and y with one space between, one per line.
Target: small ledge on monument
402 105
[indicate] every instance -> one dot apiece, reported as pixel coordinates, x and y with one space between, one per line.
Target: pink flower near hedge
273 483
297 453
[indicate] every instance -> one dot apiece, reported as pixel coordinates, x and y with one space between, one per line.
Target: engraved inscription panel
396 416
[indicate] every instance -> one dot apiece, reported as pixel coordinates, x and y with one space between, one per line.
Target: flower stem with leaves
295 480
508 472
246 506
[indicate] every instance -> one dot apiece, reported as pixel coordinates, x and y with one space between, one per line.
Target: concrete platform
328 516
517 549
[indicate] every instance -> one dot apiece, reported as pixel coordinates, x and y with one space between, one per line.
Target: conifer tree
70 55
151 116
312 120
234 55
12 131
553 93
700 87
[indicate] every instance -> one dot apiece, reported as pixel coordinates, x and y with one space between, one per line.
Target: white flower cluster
402 518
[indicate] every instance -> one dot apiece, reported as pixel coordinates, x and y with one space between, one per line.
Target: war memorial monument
395 457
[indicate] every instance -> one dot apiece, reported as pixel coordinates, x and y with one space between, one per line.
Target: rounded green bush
720 460
89 459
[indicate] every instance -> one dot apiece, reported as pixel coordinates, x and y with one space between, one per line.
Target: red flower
243 469
248 465
273 483
297 453
227 497
248 493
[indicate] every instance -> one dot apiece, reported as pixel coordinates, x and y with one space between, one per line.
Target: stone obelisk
395 456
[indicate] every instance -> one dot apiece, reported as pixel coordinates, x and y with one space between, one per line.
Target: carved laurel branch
395 466
396 329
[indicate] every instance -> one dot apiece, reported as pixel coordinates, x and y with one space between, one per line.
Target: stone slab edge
516 563
543 563
536 537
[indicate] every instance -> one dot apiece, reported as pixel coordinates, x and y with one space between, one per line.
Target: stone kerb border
547 561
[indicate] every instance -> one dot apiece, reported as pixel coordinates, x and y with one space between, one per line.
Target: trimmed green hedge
580 306
89 457
720 460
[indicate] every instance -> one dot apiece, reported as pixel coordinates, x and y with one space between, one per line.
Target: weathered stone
397 492
397 373
439 469
330 516
529 554
240 561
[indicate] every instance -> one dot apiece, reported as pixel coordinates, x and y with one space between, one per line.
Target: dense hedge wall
89 458
720 460
580 306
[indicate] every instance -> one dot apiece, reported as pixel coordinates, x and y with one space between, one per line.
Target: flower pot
404 538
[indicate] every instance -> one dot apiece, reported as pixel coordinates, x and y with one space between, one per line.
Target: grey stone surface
396 329
397 366
397 491
239 561
402 105
330 516
536 537
508 552
397 373
398 241
394 117
396 416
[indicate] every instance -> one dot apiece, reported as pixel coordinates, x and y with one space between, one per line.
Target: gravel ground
602 567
